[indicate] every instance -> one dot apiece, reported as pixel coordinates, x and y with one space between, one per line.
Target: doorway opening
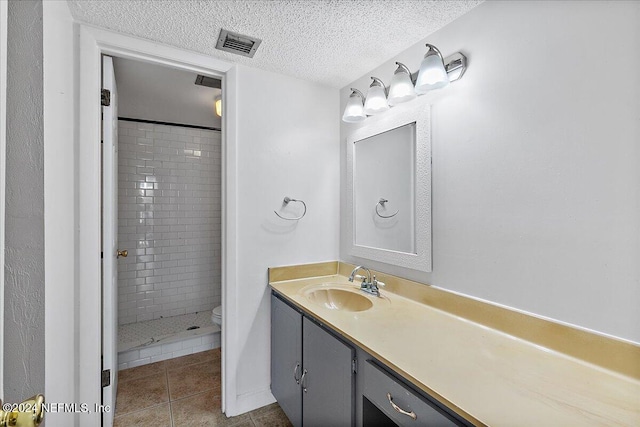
161 231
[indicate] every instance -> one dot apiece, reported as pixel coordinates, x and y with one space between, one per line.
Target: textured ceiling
331 42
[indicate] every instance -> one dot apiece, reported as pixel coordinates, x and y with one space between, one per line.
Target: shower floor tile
164 330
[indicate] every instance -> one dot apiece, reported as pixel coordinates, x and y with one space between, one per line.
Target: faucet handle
360 276
377 282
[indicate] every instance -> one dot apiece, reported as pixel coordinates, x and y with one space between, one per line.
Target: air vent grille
237 43
208 81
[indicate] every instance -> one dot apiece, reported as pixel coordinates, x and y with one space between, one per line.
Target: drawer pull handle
411 414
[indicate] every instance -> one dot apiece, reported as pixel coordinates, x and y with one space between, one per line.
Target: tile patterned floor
182 392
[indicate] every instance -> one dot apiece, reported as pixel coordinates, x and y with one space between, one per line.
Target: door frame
3 144
93 42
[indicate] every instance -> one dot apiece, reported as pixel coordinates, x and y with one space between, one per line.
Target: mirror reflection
384 190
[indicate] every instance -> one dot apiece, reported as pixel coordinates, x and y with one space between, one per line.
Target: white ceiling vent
237 43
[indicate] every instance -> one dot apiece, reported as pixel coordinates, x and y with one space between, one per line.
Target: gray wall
24 262
535 179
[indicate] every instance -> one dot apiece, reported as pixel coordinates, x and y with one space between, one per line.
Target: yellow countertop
486 375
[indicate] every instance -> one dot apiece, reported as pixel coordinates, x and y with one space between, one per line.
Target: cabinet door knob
123 253
411 414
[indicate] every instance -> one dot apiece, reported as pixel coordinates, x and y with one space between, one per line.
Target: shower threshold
139 335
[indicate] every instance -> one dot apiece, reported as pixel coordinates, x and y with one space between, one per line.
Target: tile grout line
166 378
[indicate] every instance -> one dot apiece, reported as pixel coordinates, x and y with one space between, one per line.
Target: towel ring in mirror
381 202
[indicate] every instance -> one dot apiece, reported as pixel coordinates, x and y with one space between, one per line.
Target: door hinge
106 97
106 378
354 366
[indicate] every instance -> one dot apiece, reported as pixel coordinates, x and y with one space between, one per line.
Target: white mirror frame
394 118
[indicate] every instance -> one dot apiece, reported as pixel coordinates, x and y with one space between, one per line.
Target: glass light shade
401 89
376 100
432 74
218 105
354 112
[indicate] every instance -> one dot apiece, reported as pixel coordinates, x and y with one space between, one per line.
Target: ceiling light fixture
218 105
435 73
354 111
376 101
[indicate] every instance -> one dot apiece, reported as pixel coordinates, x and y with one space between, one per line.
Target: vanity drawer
380 385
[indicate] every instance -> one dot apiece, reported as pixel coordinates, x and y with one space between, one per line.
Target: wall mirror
389 188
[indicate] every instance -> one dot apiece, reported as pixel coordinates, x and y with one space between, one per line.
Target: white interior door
109 239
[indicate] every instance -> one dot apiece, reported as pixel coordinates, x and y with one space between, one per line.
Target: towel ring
381 202
286 201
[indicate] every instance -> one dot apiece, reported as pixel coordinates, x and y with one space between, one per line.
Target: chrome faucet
369 284
357 276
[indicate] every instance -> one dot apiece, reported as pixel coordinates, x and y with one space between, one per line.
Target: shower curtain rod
129 119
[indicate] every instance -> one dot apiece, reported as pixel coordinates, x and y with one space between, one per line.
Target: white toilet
216 316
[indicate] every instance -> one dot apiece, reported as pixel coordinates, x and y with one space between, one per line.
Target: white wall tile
150 351
129 356
161 357
182 352
192 342
170 348
169 220
157 353
204 347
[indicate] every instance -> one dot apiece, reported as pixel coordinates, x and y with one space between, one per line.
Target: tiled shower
169 204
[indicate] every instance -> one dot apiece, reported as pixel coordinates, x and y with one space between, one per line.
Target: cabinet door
328 386
286 358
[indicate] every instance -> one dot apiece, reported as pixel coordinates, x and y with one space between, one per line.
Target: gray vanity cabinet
311 370
328 385
286 358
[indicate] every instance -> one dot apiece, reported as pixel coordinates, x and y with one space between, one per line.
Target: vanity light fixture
432 74
376 101
435 73
354 111
401 89
218 105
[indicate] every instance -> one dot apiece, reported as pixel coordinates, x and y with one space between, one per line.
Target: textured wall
536 185
169 192
24 262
